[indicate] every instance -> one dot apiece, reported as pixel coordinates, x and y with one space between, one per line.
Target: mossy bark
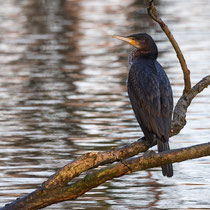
43 197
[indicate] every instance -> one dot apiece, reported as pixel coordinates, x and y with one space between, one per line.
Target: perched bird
150 93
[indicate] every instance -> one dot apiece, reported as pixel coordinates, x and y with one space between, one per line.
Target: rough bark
180 110
92 160
44 197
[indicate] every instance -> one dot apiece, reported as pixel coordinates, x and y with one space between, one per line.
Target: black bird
150 93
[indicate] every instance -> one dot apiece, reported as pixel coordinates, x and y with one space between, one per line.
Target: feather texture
151 98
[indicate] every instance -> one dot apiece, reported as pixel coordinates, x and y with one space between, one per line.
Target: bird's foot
148 143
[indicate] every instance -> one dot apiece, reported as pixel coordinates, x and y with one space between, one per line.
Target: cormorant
150 93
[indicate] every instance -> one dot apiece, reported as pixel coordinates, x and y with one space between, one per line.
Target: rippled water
63 93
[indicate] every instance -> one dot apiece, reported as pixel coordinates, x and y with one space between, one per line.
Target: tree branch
180 110
92 160
155 16
45 197
179 115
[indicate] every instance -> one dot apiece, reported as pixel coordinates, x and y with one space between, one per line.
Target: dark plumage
150 93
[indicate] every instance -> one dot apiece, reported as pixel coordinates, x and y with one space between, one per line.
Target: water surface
63 93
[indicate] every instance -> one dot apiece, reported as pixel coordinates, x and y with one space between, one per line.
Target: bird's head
143 42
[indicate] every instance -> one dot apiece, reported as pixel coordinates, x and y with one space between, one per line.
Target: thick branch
155 16
44 197
94 159
180 110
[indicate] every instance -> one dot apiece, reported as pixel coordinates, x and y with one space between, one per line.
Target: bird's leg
149 143
154 142
146 142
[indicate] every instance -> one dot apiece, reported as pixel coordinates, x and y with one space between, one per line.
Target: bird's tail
167 169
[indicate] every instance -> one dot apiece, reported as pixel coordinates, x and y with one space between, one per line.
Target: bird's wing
166 98
165 91
144 94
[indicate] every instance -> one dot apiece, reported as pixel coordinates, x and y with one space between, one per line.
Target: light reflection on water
63 93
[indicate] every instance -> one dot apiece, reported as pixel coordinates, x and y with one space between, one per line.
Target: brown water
63 93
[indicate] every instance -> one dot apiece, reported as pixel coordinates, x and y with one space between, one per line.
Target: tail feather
167 169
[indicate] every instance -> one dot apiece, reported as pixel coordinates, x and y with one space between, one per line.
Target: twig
155 16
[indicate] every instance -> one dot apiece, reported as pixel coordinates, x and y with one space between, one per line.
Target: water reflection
63 93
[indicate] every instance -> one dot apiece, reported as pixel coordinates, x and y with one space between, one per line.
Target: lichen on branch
44 197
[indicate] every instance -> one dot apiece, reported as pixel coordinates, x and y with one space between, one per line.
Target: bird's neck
144 54
137 55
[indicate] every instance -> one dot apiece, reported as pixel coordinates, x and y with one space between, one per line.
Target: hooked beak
130 40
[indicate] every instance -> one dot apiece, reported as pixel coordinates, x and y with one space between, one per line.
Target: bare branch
180 110
45 197
92 160
179 115
155 16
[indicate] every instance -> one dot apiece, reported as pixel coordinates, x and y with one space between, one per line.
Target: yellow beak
130 40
